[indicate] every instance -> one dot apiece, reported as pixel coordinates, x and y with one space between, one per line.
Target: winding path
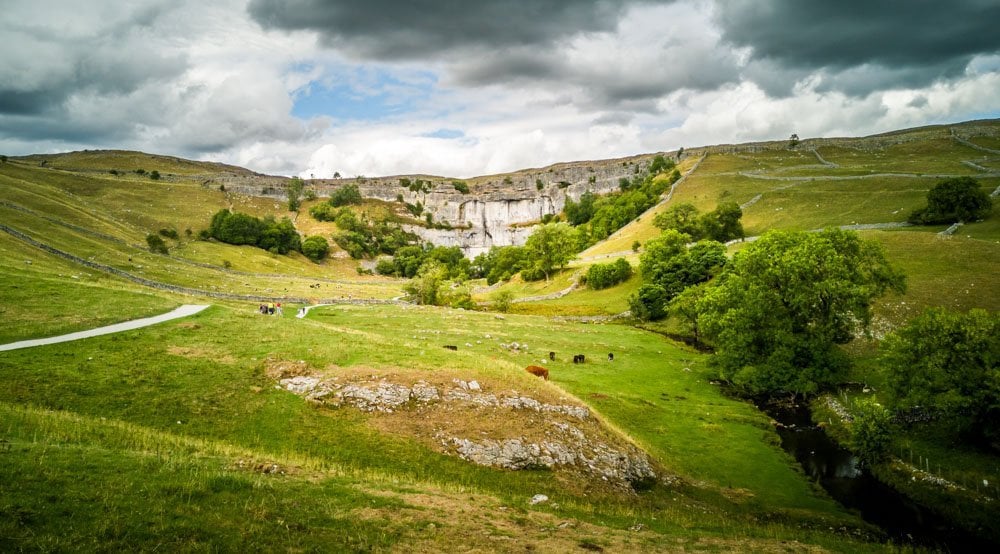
183 311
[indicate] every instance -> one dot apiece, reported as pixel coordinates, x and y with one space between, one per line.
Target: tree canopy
780 307
950 363
953 200
551 247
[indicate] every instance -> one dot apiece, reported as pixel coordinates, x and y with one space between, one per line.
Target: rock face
499 210
538 434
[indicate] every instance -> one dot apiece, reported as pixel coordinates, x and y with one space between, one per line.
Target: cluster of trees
362 238
279 237
602 276
410 261
721 224
948 363
953 200
597 217
669 267
547 250
779 309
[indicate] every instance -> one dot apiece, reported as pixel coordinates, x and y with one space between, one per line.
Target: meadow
179 437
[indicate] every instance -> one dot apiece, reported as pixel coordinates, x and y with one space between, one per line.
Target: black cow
579 359
611 356
451 347
552 356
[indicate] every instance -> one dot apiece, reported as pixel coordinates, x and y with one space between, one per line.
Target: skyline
309 88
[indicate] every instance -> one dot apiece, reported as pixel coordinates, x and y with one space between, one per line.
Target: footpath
183 311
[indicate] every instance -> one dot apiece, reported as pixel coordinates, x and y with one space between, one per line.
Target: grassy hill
182 437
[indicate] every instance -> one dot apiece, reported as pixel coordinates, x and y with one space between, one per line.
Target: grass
157 438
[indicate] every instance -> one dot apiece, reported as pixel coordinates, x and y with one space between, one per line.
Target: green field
178 436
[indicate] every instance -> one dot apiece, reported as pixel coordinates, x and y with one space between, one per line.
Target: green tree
682 218
602 276
3 158
578 213
871 431
684 307
156 244
294 193
461 186
950 363
551 247
648 303
425 288
954 200
154 175
780 307
315 248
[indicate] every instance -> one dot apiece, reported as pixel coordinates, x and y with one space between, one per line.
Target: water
841 475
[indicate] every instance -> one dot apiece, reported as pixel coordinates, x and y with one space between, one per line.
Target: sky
462 88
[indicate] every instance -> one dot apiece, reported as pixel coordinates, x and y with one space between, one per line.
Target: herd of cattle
540 371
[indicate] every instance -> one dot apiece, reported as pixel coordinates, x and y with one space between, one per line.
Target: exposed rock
538 499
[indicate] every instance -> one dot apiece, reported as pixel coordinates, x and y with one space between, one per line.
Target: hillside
355 428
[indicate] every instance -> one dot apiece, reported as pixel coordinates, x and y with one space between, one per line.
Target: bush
539 185
315 248
154 175
870 431
345 195
502 300
156 244
602 276
461 186
170 233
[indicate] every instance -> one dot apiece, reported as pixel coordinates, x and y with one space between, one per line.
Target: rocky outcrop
525 433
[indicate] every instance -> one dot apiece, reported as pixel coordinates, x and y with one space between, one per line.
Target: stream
838 471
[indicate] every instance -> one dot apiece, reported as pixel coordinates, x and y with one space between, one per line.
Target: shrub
156 244
602 276
315 248
539 185
345 195
502 300
461 186
648 303
870 431
169 233
154 175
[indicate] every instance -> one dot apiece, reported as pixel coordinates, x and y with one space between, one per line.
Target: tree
294 193
3 159
953 200
683 218
793 141
723 224
551 247
780 307
602 276
871 431
578 213
684 307
648 302
950 363
315 248
425 288
154 175
461 186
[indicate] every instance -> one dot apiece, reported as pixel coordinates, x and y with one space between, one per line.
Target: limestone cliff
499 210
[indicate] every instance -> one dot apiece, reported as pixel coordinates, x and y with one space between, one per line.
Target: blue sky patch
363 94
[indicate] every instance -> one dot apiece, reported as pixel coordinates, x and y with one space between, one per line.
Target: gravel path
183 311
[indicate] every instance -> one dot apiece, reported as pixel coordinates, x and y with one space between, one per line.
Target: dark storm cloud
852 41
391 30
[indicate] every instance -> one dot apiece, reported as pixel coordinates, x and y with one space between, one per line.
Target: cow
451 347
552 356
579 359
611 356
538 371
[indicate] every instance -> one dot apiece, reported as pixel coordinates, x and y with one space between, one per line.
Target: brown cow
538 371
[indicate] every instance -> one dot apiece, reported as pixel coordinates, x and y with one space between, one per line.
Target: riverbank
957 487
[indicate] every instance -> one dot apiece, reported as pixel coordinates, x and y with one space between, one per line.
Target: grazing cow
611 356
579 359
451 347
538 371
552 356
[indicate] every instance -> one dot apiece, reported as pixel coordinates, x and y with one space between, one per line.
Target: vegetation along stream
840 473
